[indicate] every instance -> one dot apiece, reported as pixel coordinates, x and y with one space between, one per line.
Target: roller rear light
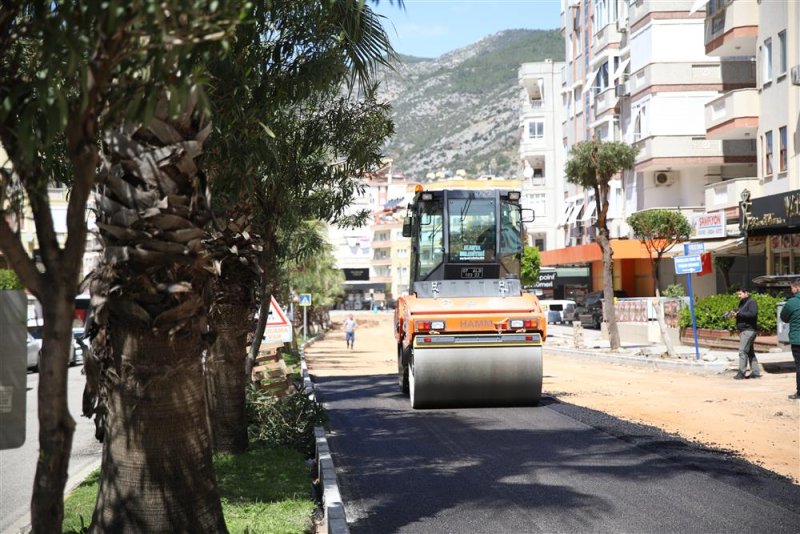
435 325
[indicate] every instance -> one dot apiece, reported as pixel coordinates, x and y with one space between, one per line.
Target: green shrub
674 290
709 312
287 421
9 280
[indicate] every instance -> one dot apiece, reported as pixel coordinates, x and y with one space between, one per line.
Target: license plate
472 272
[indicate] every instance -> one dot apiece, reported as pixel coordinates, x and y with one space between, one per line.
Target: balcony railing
727 193
733 30
684 146
733 115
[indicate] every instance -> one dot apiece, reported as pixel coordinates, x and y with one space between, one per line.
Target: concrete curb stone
335 519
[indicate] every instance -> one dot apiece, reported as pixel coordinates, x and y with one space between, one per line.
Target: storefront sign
352 275
775 214
547 280
708 225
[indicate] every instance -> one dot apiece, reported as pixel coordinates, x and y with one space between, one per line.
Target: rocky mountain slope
461 110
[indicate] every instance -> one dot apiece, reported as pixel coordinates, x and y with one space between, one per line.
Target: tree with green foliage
591 165
9 280
71 70
660 231
529 266
285 69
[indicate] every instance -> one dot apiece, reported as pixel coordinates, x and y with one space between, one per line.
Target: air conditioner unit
796 75
621 89
664 178
622 24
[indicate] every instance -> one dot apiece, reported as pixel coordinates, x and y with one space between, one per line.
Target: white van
559 311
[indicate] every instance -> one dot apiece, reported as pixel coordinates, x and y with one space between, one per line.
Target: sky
430 28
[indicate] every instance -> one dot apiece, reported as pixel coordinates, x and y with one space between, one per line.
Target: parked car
590 311
35 332
34 351
559 311
79 343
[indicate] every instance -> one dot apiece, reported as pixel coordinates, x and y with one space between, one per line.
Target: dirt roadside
752 418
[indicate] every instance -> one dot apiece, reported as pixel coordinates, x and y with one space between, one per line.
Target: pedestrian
350 331
791 314
747 325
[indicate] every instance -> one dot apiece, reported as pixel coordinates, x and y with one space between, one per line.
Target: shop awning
567 213
733 246
698 5
573 217
621 69
624 249
590 211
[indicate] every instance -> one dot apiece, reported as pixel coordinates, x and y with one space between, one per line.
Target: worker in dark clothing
791 314
747 325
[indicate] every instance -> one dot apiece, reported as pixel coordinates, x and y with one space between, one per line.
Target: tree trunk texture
608 289
56 425
226 381
150 295
157 474
662 325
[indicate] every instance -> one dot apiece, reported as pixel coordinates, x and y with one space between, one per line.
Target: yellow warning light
418 188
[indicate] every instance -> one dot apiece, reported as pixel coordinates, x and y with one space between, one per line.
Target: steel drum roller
461 376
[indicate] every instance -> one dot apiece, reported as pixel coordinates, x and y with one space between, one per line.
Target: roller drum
485 376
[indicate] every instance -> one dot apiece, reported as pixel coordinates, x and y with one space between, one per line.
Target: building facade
541 154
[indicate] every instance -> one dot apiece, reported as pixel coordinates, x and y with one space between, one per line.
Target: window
431 239
600 14
768 153
536 130
782 52
782 153
766 62
472 229
538 203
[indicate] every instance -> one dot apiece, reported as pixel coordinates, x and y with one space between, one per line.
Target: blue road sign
305 299
694 248
688 264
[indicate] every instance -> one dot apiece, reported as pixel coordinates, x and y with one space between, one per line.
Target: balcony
382 261
605 101
687 151
733 29
640 9
733 115
607 35
726 194
380 243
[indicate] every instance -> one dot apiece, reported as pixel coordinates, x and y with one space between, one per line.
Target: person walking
747 325
791 314
350 331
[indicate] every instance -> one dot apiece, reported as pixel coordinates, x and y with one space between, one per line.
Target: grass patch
262 491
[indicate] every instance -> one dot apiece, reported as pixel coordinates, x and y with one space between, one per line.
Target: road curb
335 519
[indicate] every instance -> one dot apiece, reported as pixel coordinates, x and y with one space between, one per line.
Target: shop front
776 220
580 269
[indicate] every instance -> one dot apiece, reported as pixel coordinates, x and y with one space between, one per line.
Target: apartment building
541 153
765 112
375 257
704 89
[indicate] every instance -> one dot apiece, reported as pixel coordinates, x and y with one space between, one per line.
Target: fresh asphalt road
552 468
18 466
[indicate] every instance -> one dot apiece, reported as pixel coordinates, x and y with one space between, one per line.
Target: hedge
9 280
709 311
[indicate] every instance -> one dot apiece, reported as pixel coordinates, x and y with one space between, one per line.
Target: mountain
461 110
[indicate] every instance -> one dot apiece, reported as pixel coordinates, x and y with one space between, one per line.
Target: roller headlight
437 325
517 323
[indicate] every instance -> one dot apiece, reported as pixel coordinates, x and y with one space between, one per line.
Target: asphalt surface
552 468
18 466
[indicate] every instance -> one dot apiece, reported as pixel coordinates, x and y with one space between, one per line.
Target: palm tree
150 314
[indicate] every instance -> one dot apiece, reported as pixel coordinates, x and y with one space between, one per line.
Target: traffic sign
305 299
688 264
694 248
278 329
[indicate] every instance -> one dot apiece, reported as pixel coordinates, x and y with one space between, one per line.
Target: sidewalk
561 339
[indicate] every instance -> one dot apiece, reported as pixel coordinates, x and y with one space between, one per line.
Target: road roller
467 334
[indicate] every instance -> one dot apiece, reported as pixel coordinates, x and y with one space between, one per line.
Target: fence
641 310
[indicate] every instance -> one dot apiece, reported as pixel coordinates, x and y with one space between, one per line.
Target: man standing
791 314
350 331
747 325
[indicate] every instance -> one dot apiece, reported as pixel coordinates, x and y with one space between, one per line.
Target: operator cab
465 235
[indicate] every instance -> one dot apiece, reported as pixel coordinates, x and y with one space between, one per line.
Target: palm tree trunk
150 294
156 440
608 288
226 381
662 323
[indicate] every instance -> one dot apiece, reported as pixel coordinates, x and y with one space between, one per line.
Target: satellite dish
527 172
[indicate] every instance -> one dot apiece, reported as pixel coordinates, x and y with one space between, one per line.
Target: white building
541 152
